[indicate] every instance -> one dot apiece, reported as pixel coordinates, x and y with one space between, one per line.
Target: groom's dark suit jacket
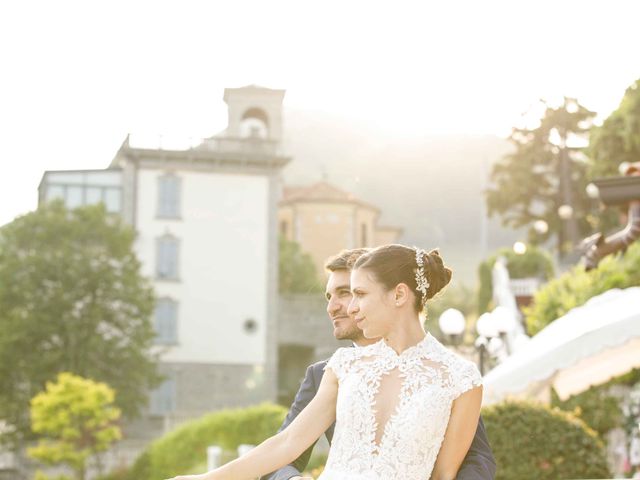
479 463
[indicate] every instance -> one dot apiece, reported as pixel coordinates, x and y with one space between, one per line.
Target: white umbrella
588 346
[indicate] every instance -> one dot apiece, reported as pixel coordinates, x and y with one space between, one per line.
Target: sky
77 76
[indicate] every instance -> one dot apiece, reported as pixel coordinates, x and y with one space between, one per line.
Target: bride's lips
359 322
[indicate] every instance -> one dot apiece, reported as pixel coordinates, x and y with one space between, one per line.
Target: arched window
255 124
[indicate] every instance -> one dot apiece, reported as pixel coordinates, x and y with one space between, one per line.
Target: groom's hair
345 259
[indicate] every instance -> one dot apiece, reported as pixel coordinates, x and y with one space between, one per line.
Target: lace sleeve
339 361
467 377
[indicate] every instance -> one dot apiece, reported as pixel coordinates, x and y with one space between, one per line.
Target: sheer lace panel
392 410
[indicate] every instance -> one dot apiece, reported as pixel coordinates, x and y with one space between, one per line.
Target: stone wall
303 320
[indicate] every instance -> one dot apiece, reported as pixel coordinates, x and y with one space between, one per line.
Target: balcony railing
524 287
246 145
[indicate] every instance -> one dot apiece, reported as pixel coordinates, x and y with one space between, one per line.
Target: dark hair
394 264
345 259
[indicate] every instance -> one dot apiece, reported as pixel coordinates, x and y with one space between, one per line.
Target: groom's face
338 295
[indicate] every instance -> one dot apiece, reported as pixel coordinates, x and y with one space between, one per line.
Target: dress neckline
424 346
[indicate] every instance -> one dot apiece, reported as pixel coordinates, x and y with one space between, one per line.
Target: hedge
529 441
535 442
179 451
577 286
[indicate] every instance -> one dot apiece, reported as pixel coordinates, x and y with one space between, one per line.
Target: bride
405 407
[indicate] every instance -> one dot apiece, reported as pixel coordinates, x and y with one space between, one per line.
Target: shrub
536 442
535 262
76 419
577 286
40 475
182 449
596 406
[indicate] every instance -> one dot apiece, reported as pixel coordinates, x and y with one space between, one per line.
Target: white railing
524 287
248 145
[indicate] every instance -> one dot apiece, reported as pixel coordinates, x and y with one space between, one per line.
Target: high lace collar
420 349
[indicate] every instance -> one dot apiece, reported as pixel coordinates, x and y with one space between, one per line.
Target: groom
479 463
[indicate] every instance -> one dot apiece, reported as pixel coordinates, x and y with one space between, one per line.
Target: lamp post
493 339
486 332
565 212
452 323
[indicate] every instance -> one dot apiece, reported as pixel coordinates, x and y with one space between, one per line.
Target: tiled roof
320 192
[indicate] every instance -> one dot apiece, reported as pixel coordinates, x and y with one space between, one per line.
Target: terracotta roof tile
320 192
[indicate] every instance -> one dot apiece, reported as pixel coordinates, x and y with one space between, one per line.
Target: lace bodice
392 410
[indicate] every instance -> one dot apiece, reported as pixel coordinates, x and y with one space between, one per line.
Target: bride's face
371 305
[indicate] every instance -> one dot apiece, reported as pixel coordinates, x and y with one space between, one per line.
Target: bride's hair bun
437 273
394 264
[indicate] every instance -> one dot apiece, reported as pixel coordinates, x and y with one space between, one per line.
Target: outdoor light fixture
541 227
486 330
493 328
520 248
565 212
505 322
452 324
485 326
593 192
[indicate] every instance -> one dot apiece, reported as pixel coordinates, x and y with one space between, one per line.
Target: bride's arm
459 435
287 445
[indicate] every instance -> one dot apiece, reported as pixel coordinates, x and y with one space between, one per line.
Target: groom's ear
401 294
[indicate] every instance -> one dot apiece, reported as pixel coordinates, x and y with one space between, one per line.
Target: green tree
76 418
618 139
547 169
297 273
72 299
576 286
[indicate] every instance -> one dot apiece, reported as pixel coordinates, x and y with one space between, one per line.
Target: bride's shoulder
462 374
343 352
453 360
341 359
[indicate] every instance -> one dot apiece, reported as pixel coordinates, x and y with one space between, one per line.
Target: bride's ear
401 294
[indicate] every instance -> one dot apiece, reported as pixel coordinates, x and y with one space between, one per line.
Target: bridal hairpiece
421 277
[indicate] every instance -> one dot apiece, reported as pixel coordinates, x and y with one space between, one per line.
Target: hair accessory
421 278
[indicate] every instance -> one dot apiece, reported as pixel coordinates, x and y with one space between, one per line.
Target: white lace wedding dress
392 410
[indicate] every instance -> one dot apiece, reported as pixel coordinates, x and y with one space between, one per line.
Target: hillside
431 186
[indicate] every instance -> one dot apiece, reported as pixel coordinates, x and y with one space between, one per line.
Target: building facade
324 220
205 217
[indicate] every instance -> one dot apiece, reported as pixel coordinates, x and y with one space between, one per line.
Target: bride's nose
353 306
